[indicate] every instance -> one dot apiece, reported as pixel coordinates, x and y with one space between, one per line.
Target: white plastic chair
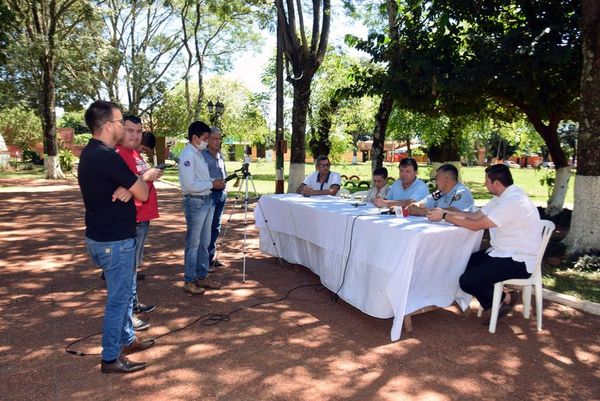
359 195
534 280
343 193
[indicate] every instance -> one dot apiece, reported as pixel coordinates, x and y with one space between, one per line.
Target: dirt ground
304 347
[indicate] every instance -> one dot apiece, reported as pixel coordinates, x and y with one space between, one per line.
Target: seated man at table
406 190
515 227
379 189
450 194
321 182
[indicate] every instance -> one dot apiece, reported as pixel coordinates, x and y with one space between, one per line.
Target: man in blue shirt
406 190
216 168
450 194
196 185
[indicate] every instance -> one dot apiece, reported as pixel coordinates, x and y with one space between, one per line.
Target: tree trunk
298 150
559 191
381 121
584 233
550 136
279 148
319 142
53 170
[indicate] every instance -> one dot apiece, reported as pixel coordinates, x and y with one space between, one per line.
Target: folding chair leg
526 301
496 306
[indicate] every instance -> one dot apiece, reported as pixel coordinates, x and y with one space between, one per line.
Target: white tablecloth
396 265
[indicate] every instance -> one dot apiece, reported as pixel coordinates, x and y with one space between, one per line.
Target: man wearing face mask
196 186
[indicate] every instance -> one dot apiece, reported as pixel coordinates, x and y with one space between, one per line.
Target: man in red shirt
145 211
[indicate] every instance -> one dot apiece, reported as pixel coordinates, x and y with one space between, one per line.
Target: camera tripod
244 174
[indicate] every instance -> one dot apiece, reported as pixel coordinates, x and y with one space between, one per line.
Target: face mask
202 145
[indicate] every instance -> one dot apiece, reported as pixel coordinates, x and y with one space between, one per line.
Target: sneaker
143 308
192 288
216 263
208 283
139 324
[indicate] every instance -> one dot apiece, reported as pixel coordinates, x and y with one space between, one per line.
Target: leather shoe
122 365
136 346
208 283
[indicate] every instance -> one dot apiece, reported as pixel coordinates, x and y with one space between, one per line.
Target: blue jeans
141 231
198 218
117 260
219 198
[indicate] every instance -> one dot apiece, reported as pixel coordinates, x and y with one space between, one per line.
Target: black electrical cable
336 296
207 319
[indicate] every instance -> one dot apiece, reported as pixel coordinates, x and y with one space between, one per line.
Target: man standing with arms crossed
196 185
107 186
216 167
145 211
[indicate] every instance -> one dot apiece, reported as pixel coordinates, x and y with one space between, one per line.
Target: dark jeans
219 198
483 271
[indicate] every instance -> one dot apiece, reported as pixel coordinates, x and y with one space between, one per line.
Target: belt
197 196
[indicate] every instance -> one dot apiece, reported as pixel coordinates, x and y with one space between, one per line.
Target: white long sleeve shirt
194 177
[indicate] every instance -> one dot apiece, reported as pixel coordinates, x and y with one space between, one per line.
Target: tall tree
214 31
584 233
140 47
305 56
47 27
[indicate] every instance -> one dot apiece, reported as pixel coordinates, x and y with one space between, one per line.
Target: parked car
548 164
511 164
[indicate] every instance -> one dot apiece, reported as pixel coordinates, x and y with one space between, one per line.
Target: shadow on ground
304 347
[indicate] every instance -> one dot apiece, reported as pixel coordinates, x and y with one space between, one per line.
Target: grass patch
581 284
35 173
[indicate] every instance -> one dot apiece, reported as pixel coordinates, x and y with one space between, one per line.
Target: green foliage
340 143
66 158
33 157
20 126
590 263
548 179
75 120
243 119
82 139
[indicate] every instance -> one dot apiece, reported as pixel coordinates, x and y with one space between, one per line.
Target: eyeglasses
324 164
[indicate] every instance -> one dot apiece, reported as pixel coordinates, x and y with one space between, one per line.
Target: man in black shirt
107 186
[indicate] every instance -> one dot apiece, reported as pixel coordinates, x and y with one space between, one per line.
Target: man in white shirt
321 182
515 237
196 185
407 189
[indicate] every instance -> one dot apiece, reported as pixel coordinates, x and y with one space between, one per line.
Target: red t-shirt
144 210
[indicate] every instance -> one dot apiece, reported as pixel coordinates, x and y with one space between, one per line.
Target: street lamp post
215 110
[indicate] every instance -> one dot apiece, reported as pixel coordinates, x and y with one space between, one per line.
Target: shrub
66 158
33 157
82 139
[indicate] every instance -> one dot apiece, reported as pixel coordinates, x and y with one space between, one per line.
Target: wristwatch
444 216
